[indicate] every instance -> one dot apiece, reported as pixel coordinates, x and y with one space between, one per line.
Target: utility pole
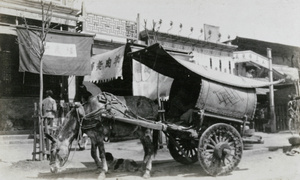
272 120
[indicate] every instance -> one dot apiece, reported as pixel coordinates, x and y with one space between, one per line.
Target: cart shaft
144 123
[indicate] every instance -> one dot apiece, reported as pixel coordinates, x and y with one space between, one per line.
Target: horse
87 117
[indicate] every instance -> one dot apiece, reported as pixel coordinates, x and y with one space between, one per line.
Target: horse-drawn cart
213 139
208 110
206 115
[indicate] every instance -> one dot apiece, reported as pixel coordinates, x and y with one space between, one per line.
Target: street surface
264 162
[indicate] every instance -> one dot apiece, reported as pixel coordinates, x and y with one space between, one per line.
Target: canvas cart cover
226 100
174 64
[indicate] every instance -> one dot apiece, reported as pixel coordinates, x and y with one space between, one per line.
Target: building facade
286 65
20 90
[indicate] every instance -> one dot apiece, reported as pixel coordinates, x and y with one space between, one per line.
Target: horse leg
101 167
103 159
146 141
94 154
94 144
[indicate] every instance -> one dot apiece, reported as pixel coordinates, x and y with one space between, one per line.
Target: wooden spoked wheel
220 149
183 151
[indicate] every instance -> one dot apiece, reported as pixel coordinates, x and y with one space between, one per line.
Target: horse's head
63 138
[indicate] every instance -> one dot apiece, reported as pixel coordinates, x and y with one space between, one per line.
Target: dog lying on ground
120 165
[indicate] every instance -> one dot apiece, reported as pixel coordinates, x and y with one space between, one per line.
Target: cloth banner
145 80
106 66
65 53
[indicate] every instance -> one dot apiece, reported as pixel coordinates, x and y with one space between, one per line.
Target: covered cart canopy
221 94
176 65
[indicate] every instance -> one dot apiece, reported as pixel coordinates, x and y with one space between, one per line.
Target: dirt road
272 164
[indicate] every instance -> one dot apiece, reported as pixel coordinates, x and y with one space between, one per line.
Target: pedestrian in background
49 109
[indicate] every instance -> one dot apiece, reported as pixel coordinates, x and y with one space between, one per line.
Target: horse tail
155 140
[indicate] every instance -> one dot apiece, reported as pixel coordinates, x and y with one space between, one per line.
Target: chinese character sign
100 24
107 66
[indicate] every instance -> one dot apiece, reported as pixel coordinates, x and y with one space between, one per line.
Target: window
9 75
210 63
220 65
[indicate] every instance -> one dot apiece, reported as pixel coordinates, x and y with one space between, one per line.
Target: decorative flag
65 53
146 82
106 66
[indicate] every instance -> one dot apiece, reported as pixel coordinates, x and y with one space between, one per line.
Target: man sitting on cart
183 97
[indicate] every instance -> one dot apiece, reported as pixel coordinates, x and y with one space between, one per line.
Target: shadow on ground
160 169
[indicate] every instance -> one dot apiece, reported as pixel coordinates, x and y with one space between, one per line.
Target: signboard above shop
110 26
252 57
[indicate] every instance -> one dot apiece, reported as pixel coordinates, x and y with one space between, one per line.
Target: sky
275 21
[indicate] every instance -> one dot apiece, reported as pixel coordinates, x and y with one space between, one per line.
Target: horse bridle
79 136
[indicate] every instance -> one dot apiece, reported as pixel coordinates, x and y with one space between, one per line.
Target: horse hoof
98 170
146 176
54 169
101 176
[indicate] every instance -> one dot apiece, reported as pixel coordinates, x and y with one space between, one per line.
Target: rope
108 102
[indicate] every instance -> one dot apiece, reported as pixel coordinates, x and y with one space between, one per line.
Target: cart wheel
188 148
220 149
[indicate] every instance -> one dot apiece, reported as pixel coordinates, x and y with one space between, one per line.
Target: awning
171 64
251 58
8 30
288 72
65 53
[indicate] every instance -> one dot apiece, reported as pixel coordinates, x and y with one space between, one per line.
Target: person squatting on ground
49 109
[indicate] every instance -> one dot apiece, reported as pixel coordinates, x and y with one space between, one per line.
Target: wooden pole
34 132
271 94
144 123
296 83
138 24
41 126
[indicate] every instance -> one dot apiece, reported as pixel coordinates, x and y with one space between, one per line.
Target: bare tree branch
36 47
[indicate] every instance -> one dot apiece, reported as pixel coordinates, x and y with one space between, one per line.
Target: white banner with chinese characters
107 66
60 49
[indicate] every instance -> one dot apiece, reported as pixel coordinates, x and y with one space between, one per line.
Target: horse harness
93 118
